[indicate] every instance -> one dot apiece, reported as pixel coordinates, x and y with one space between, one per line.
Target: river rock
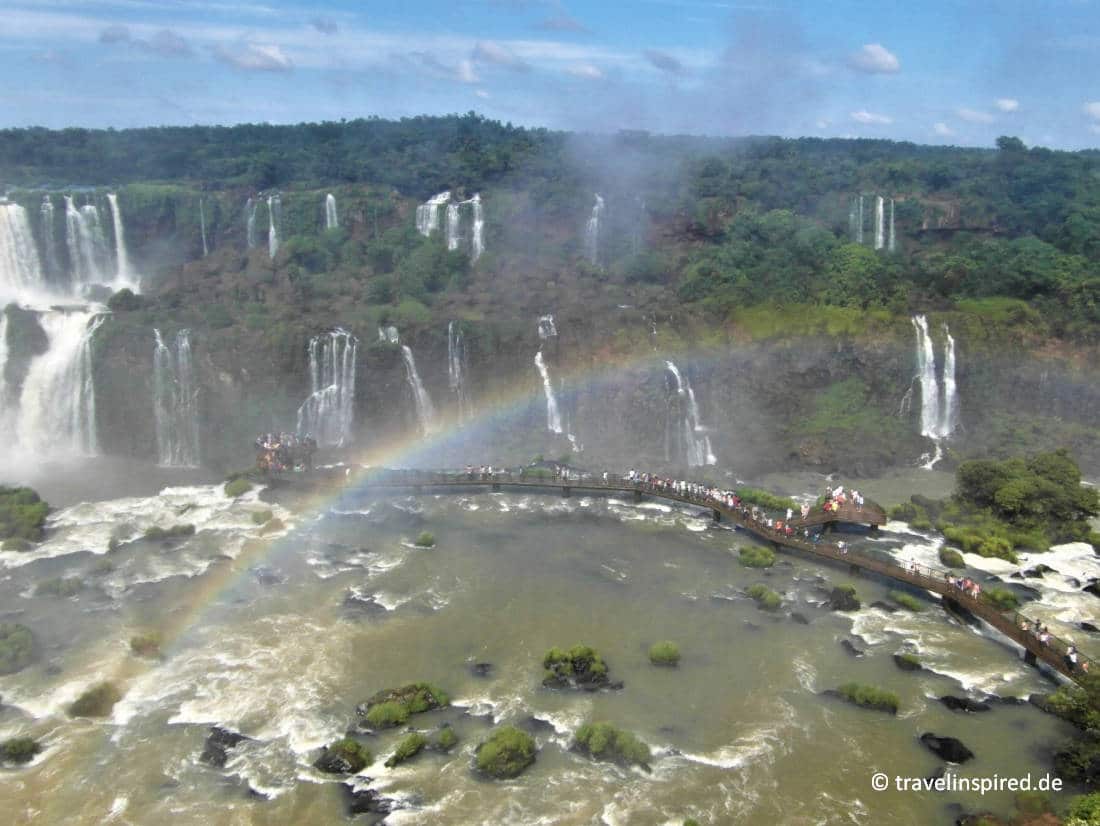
533 725
963 704
878 603
367 802
1092 588
946 748
482 670
850 648
906 665
1088 626
216 750
843 599
1038 571
801 619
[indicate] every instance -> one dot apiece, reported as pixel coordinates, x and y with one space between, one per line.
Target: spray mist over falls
592 232
327 414
175 402
20 271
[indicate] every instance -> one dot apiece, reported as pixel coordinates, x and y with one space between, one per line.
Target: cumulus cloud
586 70
1092 109
942 129
253 57
164 42
875 59
486 51
871 118
1007 104
973 115
664 61
325 25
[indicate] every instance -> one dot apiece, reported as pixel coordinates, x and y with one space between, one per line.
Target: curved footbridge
819 544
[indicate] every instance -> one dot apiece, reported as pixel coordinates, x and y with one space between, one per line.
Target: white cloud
1092 109
863 116
822 123
974 115
466 71
585 70
876 59
481 93
942 129
486 51
259 57
1007 104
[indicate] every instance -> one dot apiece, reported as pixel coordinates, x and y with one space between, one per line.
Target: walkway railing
938 580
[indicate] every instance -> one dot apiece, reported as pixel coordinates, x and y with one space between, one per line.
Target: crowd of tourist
279 452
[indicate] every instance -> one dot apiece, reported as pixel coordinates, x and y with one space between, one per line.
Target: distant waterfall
427 214
425 411
328 413
592 232
950 418
123 272
859 222
52 271
454 227
553 416
19 266
331 220
4 423
175 402
685 436
456 368
879 223
202 229
274 218
388 335
477 238
250 223
57 404
939 413
86 244
547 328
891 240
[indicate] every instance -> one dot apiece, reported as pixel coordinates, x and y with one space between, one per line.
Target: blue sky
934 71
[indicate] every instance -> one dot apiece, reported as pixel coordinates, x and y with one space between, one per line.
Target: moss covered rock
19 750
22 514
426 539
603 741
237 487
97 701
507 753
952 558
866 696
844 598
59 587
145 645
907 601
664 653
156 533
346 756
16 647
579 667
394 706
445 740
766 599
407 749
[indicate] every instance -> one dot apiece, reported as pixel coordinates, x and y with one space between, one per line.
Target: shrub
145 645
756 556
97 701
59 587
17 544
1084 810
952 558
16 647
766 598
22 514
271 525
604 741
446 739
907 662
407 749
19 750
869 697
237 487
425 540
907 601
346 756
156 533
260 517
844 598
507 753
1001 598
394 706
387 714
664 653
580 664
766 500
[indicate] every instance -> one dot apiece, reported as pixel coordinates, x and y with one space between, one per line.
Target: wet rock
367 802
482 670
963 704
533 725
1092 588
843 598
1038 571
216 749
365 605
907 663
1005 701
850 648
878 603
801 619
1088 626
946 748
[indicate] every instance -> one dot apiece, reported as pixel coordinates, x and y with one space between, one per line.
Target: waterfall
388 335
879 220
274 215
456 369
592 233
175 402
250 223
553 416
547 328
4 424
853 219
425 412
86 244
891 239
683 423
19 266
327 414
949 419
939 413
477 239
859 222
57 405
427 214
52 264
453 227
123 273
202 228
331 220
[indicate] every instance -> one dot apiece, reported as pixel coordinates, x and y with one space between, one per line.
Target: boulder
946 748
366 802
848 646
889 609
963 704
1088 626
1092 588
216 749
482 670
906 664
801 619
843 598
1038 571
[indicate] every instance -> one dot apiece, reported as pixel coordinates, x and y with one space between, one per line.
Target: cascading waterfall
388 335
425 411
427 214
331 219
950 418
52 271
939 411
20 271
4 424
456 369
879 222
553 415
175 402
891 239
123 272
328 413
859 222
202 229
853 219
86 244
454 227
477 239
274 218
683 425
250 223
592 232
547 328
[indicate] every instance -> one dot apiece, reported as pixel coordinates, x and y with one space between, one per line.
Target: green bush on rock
952 558
387 714
145 645
16 647
756 556
766 598
17 544
868 696
907 601
155 533
19 750
407 749
237 487
394 706
1001 598
507 753
346 756
259 517
59 587
664 653
445 740
603 741
22 514
97 701
425 540
581 666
